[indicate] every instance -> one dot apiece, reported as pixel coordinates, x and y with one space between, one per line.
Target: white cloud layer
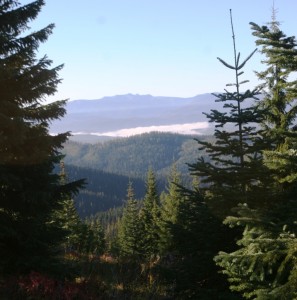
188 128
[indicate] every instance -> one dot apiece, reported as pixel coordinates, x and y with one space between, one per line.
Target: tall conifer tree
279 86
29 190
233 173
229 175
264 267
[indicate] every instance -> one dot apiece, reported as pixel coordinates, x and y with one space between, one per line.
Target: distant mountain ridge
109 116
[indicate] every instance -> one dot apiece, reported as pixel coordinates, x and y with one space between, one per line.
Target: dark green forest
122 160
157 216
158 150
103 190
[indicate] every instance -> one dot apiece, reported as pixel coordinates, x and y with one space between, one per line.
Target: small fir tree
67 217
130 230
170 202
92 238
149 217
149 220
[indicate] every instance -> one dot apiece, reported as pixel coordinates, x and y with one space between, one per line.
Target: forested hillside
134 155
102 190
109 166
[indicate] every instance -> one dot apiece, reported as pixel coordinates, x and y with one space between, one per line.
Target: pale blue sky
158 47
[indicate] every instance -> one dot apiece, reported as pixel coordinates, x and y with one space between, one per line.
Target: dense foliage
229 232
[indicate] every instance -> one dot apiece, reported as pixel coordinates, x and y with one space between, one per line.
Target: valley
109 166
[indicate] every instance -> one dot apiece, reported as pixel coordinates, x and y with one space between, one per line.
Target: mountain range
126 115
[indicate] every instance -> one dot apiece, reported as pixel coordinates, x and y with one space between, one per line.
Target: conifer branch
226 64
244 62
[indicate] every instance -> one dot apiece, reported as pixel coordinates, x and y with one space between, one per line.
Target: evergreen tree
197 236
130 230
83 237
67 217
169 210
149 220
232 171
99 242
279 85
29 190
149 217
264 267
92 238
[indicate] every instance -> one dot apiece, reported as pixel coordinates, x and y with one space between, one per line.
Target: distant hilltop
126 115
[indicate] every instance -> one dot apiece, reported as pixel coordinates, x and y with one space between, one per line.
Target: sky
157 47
